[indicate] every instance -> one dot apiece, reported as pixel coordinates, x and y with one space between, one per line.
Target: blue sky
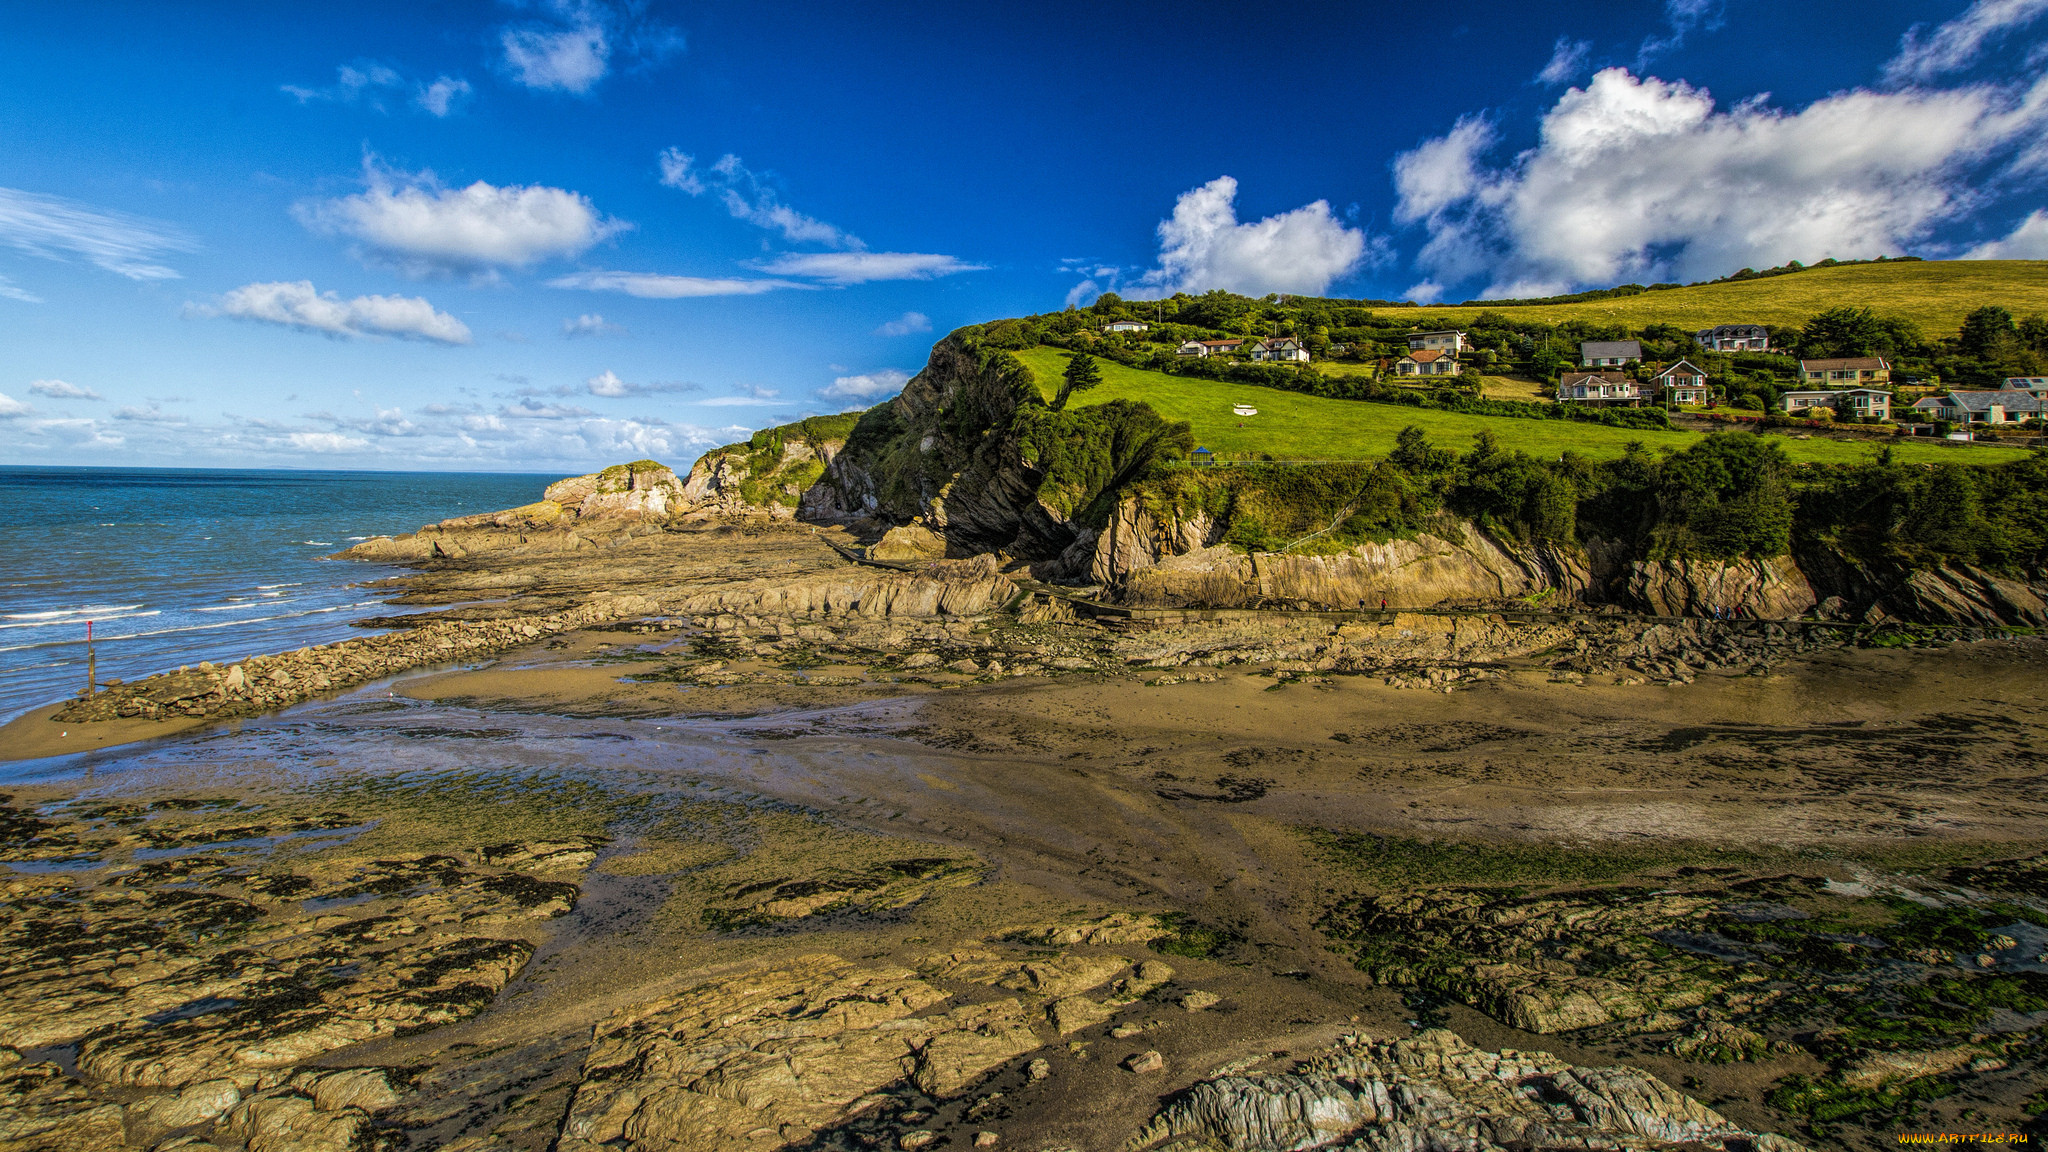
554 234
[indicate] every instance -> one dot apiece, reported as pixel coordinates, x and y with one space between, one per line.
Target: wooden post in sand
92 664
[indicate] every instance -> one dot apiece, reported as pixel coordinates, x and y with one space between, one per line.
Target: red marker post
92 665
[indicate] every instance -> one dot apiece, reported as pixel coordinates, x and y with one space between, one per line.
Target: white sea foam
200 627
68 620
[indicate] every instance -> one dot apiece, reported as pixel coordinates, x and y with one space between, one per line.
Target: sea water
178 565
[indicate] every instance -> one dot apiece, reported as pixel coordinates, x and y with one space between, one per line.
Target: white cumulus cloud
868 387
1646 179
906 324
423 228
656 286
11 409
295 304
609 385
62 390
862 267
1203 246
2029 241
55 228
1956 44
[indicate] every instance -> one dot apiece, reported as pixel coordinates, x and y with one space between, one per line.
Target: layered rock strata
1435 1091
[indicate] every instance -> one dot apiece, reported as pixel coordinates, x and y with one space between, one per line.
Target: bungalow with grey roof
1610 353
2005 406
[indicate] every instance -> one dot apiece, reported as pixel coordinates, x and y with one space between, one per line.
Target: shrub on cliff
1087 458
1888 514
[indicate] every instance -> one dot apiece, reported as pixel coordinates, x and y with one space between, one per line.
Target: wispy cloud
571 48
750 196
62 390
443 96
906 324
608 385
656 286
867 387
590 324
12 409
422 228
296 304
8 291
1567 61
1682 17
150 415
1957 44
55 228
862 267
748 395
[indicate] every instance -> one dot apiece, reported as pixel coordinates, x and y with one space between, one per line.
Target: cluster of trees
1729 496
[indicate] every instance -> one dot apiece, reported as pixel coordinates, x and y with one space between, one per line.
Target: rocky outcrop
1773 589
740 480
194 974
764 1058
262 683
1143 561
948 588
573 515
1434 1090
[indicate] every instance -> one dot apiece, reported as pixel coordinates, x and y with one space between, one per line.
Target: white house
1448 341
1859 402
1734 338
1427 363
1601 389
1610 353
1682 383
1279 348
1209 347
1126 326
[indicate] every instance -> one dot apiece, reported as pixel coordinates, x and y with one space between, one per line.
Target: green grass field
1291 426
1935 294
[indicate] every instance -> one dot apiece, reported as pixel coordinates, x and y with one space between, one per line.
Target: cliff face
1142 561
941 454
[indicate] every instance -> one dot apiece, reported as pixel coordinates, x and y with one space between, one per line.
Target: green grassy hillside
1935 294
1292 426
